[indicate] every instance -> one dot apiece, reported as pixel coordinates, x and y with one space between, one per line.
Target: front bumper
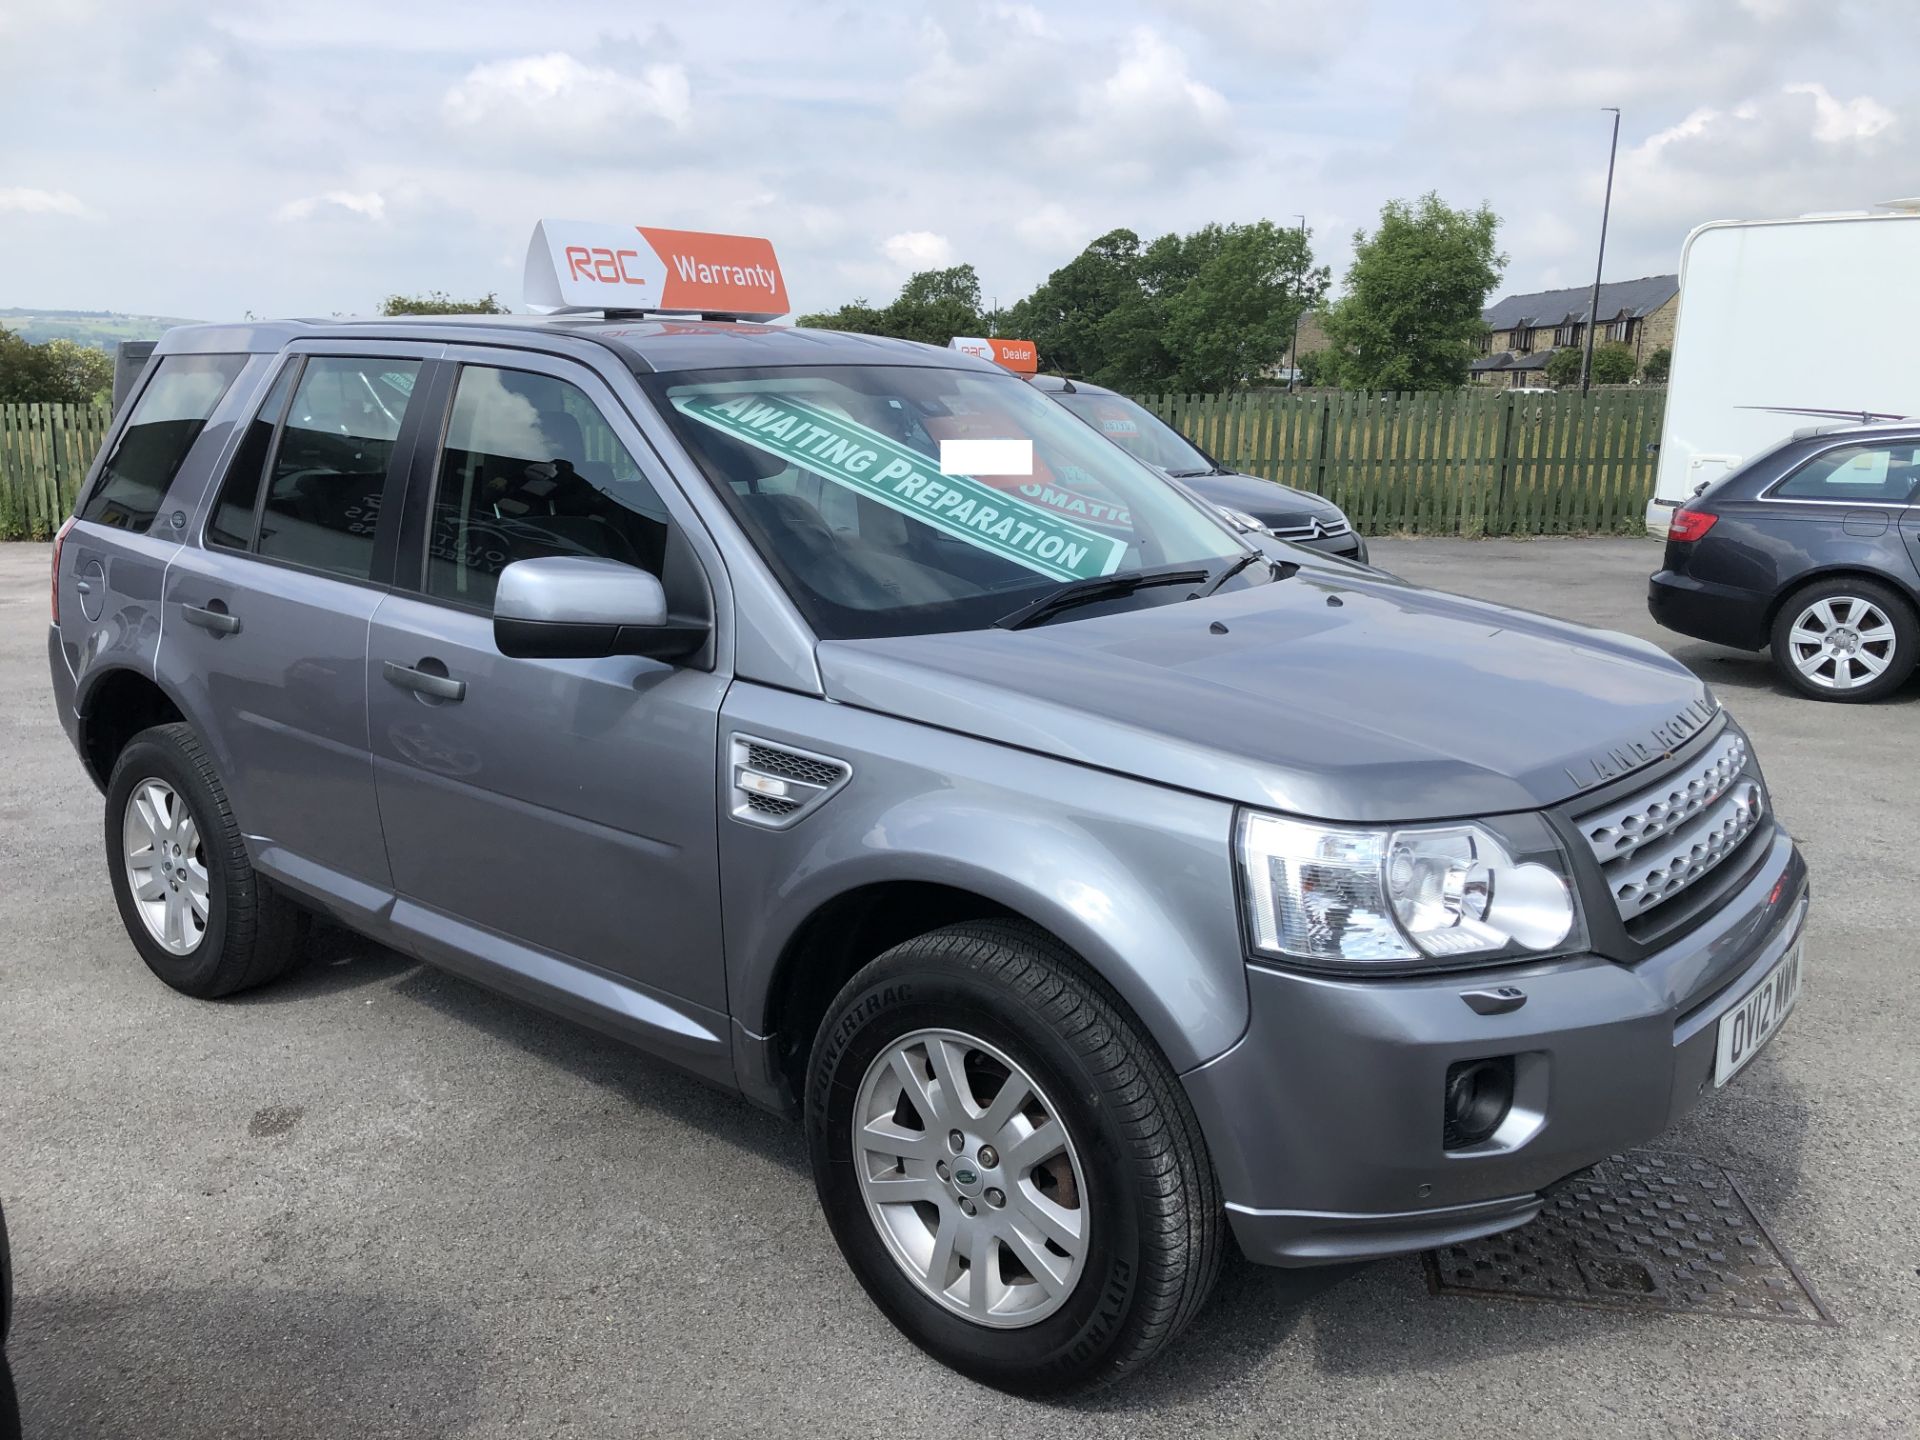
1325 1120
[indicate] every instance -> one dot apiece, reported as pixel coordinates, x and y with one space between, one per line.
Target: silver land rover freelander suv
1098 883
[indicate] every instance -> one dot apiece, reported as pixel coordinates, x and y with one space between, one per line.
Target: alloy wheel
1841 642
971 1178
166 866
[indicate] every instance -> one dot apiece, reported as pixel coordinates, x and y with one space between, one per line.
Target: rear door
266 615
549 810
1849 507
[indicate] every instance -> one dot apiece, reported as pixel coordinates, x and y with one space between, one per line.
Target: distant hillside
102 329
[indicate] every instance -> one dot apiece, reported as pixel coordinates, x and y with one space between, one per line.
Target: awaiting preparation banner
881 468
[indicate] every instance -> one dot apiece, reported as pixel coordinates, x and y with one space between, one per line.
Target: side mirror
562 607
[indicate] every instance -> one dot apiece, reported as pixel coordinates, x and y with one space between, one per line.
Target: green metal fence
45 451
1452 462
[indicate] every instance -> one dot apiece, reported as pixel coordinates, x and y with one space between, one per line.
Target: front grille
1311 530
1655 845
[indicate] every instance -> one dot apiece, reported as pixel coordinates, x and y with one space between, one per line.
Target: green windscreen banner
882 469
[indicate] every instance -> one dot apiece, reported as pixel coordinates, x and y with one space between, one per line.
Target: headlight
1242 519
1427 895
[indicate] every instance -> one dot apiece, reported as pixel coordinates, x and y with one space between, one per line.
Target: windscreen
896 500
1138 429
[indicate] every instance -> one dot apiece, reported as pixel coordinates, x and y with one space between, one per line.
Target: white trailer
1784 324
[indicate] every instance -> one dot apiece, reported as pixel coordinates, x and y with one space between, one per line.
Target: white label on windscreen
986 457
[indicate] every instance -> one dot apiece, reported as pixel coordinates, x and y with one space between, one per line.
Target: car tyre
204 920
1871 624
1131 1174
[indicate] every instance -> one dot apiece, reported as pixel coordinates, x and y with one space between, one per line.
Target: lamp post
1606 205
1293 348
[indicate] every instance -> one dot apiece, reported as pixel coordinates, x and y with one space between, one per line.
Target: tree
1319 367
1233 319
438 302
1612 365
932 307
1088 310
856 316
1410 319
1659 365
59 372
1206 311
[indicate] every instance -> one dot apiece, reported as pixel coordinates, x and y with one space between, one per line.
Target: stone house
1523 330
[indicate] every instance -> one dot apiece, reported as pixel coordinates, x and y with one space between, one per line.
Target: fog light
1479 1094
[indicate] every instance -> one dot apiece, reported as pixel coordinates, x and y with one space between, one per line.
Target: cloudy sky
309 156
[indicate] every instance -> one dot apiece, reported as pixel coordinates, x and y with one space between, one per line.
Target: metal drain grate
1644 1230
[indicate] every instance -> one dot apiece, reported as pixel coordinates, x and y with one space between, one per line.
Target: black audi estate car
1812 548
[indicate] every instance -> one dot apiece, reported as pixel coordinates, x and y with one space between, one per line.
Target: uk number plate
1751 1023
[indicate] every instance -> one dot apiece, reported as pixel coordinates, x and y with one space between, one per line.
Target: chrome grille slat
1668 836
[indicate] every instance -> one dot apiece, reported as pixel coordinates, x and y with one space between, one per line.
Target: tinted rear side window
323 497
232 521
166 420
1882 474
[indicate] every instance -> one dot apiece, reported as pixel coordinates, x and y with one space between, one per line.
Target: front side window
531 468
330 466
1139 430
898 500
168 417
1884 474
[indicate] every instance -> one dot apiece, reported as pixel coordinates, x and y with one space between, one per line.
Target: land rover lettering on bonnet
1098 879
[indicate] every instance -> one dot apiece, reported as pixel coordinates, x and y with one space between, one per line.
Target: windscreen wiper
1232 570
1093 589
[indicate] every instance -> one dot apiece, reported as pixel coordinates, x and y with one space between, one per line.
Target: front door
557 818
268 615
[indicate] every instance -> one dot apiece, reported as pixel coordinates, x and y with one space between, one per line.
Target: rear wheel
1845 639
197 912
1008 1163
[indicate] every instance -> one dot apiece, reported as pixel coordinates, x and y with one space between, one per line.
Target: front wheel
1845 639
1008 1163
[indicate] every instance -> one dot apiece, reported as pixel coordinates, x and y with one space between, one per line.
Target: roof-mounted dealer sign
581 265
1018 356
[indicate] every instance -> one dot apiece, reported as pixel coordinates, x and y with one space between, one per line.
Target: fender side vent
773 785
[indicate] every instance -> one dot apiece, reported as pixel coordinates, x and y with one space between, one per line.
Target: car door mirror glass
574 607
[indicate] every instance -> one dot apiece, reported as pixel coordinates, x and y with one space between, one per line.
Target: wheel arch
1140 957
1904 589
117 704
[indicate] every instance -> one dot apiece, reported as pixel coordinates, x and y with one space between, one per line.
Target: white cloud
1838 121
24 200
559 98
1150 91
1272 29
367 204
918 250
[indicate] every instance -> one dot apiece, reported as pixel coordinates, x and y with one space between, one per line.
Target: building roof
1633 298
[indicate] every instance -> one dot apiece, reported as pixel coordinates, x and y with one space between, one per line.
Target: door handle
440 687
214 617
